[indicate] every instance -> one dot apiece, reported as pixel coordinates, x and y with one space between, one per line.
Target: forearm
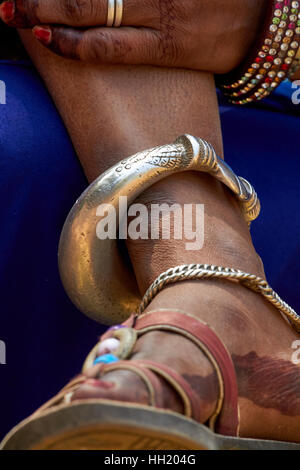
112 112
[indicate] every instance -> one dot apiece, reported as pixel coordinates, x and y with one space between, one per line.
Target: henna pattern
206 387
269 382
167 9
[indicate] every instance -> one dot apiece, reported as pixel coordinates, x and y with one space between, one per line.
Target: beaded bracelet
273 59
296 63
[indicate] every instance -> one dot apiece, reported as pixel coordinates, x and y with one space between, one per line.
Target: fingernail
7 11
43 34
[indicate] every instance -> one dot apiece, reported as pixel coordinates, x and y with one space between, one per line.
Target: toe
117 385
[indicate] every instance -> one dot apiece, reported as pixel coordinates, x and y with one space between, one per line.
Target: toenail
106 359
108 346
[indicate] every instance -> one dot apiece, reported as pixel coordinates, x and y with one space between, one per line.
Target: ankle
226 236
231 310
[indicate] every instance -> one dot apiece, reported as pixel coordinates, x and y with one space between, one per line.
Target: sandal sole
90 425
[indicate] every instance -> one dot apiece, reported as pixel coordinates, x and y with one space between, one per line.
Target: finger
80 13
125 45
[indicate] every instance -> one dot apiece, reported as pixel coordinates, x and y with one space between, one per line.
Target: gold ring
119 13
111 7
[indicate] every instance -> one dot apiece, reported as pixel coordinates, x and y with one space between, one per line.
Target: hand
211 35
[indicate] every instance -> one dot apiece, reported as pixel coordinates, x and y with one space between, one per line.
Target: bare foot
257 337
260 344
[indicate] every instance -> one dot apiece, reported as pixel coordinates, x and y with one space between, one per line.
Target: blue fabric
40 178
262 144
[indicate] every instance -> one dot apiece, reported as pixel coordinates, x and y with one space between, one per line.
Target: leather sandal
114 425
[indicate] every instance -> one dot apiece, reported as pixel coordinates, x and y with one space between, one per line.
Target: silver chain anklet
188 272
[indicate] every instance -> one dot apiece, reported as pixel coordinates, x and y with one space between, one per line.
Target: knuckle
77 10
177 51
171 49
65 43
171 21
106 47
26 13
94 49
120 48
101 47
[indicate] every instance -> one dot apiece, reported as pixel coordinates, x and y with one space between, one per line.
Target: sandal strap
227 410
153 384
61 396
147 370
189 398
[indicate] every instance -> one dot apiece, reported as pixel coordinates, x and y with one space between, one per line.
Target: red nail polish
43 34
7 11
